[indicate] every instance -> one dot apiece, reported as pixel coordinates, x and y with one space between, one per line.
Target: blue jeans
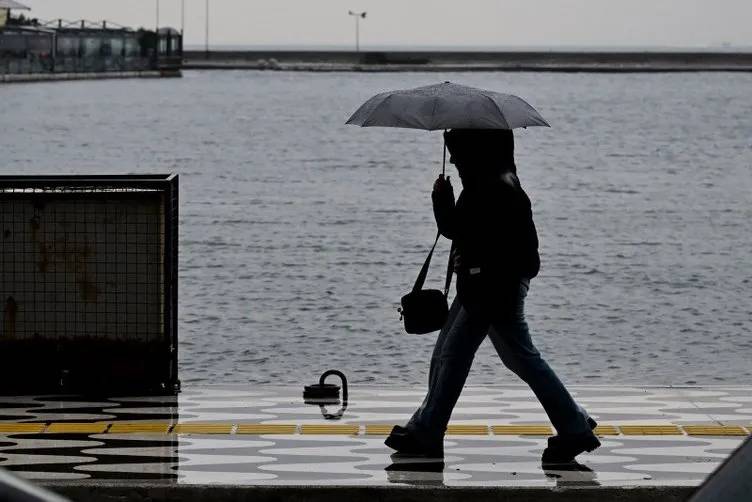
453 355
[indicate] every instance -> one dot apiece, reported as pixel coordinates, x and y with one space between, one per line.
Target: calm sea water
300 234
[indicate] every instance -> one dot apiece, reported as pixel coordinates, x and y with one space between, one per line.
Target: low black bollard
327 394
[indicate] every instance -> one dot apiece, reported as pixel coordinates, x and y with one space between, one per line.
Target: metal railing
87 47
19 66
11 66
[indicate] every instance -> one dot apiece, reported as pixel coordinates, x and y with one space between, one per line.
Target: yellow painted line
351 429
354 429
606 430
266 429
203 428
139 428
522 430
715 430
378 429
14 428
651 430
467 430
77 427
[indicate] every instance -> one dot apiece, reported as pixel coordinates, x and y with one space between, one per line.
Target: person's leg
511 337
450 364
435 357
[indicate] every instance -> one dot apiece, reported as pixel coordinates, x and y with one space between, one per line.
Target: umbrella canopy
446 106
12 4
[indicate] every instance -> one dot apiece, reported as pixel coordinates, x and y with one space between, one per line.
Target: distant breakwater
552 61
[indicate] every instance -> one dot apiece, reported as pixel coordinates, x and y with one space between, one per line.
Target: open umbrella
446 106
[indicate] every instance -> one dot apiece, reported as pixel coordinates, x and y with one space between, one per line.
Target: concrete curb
135 492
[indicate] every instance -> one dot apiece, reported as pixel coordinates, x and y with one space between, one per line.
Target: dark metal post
731 480
357 16
206 46
54 52
27 54
171 205
13 488
175 269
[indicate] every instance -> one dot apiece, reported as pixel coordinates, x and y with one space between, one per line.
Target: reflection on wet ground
267 435
572 475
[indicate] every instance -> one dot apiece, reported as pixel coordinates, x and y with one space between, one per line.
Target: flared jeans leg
452 358
510 336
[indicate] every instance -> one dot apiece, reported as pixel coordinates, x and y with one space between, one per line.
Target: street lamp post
206 45
157 15
182 17
357 16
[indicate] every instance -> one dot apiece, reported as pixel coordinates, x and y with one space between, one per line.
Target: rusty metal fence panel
88 284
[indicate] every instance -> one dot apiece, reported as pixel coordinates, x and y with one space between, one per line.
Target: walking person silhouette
495 256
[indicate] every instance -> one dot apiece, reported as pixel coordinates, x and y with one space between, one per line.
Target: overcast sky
550 23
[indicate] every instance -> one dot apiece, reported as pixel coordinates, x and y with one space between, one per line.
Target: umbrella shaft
443 162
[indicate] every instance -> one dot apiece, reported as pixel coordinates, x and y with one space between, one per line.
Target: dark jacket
492 229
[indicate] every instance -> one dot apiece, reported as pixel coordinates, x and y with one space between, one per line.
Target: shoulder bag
425 310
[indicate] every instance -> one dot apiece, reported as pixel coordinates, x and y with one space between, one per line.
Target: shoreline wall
54 77
469 61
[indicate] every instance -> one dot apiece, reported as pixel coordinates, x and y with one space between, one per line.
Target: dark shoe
406 443
398 429
592 423
563 449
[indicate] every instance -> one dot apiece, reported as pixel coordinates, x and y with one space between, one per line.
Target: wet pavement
217 435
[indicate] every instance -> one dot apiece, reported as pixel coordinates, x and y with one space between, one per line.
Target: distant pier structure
66 50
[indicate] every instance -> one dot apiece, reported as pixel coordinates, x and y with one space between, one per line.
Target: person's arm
444 207
529 239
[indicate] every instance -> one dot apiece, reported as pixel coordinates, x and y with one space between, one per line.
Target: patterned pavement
233 435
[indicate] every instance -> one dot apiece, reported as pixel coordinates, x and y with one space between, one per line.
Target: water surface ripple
299 234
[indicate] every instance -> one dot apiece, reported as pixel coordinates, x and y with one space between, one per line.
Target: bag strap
449 271
424 270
